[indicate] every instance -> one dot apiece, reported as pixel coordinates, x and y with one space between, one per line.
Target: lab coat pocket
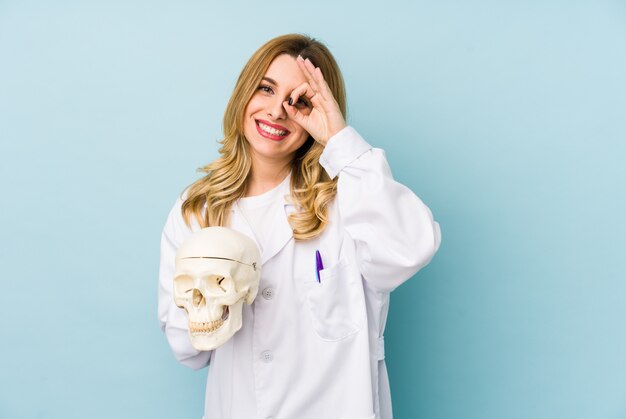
336 302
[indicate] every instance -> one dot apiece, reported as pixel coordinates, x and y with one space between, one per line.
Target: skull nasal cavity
198 298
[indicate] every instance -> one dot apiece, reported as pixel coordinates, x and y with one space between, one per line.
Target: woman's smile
271 131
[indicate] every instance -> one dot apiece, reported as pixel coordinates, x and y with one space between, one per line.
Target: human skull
217 269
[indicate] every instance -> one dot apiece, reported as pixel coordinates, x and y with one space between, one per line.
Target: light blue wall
508 119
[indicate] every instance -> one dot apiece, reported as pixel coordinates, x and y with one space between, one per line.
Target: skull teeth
205 327
208 327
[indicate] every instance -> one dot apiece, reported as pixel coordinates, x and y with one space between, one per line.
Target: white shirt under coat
308 349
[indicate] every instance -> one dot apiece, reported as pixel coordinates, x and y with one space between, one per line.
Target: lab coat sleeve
173 319
394 231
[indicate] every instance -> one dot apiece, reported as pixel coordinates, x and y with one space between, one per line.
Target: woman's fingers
295 114
303 97
324 87
315 77
304 89
308 69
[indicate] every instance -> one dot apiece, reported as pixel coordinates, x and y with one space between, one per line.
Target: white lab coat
308 349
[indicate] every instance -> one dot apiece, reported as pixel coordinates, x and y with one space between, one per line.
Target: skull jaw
206 341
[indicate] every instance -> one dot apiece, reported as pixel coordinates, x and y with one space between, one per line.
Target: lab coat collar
282 232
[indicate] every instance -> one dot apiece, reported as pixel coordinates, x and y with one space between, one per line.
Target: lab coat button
267 356
268 293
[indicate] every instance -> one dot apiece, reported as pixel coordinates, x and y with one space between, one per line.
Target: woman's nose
276 109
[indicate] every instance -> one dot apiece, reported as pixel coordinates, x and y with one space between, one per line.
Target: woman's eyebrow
272 81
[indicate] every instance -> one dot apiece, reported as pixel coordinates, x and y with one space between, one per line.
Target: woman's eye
266 89
302 102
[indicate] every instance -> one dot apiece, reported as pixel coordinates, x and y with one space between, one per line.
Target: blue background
507 119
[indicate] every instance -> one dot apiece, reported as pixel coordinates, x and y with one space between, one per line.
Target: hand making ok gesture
324 118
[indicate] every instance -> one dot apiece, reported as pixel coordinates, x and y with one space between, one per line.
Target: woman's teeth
272 131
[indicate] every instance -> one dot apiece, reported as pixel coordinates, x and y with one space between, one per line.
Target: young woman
297 180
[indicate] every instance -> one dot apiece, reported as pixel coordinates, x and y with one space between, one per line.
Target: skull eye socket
183 284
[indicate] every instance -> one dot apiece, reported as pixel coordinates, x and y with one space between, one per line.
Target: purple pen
318 264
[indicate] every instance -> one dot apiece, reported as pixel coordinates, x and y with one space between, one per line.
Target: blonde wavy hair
210 198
